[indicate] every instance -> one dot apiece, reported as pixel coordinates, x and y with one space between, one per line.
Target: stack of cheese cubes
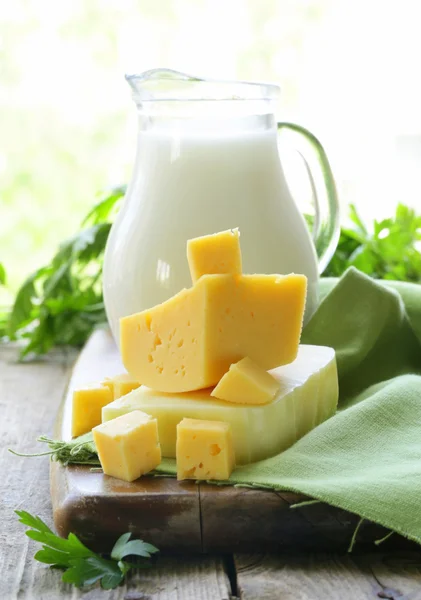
224 380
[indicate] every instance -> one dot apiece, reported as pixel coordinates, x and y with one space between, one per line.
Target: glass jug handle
326 226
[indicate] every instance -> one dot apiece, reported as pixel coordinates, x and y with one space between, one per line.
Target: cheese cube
204 450
246 383
120 385
308 394
87 406
190 341
128 446
212 254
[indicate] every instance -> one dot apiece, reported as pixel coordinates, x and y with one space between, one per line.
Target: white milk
190 184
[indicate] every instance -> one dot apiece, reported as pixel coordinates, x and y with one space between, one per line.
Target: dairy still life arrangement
232 384
208 335
224 367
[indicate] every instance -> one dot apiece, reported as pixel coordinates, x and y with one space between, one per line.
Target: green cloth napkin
367 458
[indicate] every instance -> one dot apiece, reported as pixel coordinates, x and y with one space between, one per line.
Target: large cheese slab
190 341
308 395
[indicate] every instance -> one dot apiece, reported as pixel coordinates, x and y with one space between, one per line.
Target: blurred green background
68 125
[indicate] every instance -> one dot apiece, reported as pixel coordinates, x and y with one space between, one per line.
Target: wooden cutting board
185 516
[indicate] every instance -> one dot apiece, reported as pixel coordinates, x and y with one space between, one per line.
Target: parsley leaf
124 548
390 249
34 522
81 566
85 572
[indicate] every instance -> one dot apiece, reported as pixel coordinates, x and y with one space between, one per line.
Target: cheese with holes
120 385
87 404
128 446
308 395
212 254
246 383
190 341
204 450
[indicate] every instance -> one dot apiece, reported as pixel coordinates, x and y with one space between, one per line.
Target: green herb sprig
390 249
78 451
61 303
81 566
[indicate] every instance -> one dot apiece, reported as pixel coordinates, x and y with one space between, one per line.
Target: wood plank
397 574
236 519
243 519
319 577
193 578
98 509
171 578
30 396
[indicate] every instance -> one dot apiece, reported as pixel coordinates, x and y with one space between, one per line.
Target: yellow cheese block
87 405
307 395
211 254
204 450
120 385
190 341
128 446
246 383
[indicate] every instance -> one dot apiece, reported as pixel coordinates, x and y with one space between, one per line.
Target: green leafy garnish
388 250
79 451
61 303
81 566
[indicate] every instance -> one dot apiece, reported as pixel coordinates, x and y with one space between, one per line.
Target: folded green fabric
369 328
367 458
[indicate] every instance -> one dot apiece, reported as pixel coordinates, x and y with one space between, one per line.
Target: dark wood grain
236 519
183 516
317 576
99 509
246 520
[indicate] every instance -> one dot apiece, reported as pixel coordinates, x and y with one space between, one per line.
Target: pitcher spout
169 85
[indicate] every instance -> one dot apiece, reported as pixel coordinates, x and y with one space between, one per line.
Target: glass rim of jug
168 85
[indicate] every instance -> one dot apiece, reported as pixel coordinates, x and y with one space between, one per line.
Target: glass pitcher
207 160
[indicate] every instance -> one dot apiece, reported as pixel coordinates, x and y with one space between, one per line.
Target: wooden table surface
30 395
